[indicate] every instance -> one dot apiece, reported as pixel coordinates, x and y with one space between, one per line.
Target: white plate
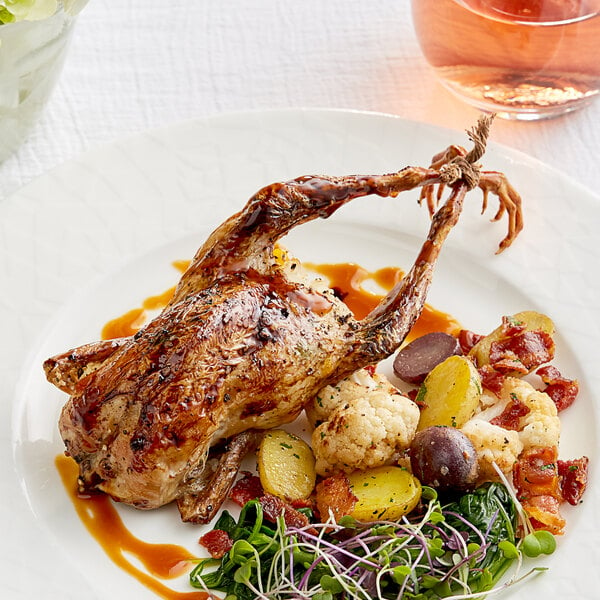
96 236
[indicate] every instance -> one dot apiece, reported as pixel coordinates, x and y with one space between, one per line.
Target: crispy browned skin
240 347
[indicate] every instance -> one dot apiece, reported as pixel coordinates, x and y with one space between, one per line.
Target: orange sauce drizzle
125 325
97 513
181 265
132 321
159 301
348 279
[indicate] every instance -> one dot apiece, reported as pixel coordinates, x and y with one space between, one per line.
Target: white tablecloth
139 64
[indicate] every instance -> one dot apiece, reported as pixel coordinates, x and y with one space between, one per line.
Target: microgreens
459 550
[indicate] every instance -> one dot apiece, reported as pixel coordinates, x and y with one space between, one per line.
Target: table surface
149 64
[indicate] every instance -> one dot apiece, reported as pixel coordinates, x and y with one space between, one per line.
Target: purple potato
444 458
414 362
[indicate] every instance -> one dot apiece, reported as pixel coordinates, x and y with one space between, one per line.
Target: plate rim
89 155
159 130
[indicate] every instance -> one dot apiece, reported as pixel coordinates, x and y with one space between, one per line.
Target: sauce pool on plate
346 279
101 519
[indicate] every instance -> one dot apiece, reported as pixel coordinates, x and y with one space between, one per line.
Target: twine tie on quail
465 168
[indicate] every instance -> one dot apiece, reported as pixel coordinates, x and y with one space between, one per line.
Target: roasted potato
383 493
444 458
416 360
286 465
533 321
450 393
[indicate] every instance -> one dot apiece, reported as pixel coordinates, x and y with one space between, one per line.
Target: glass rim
480 6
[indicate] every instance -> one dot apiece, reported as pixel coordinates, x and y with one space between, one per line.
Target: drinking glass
32 54
523 59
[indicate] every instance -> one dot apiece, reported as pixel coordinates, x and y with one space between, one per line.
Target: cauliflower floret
332 396
540 427
323 404
492 444
490 406
367 422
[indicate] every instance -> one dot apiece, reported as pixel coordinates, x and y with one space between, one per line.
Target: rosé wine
525 59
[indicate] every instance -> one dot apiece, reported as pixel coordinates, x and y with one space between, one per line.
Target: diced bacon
335 495
370 369
247 488
573 476
412 394
522 352
510 366
273 507
549 374
563 391
511 415
491 379
217 542
544 513
536 473
302 503
535 476
467 339
511 326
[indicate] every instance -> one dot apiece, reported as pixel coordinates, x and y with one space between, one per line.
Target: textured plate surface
93 238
